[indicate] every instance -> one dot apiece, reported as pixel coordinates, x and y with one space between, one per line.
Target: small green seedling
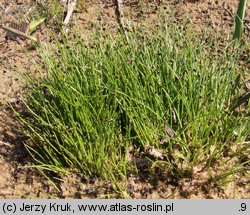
35 23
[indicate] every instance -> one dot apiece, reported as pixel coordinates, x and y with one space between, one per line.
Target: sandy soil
18 180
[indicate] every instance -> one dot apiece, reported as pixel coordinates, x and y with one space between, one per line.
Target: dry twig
119 14
19 33
71 8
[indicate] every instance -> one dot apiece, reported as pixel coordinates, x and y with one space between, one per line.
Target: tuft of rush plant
239 19
99 98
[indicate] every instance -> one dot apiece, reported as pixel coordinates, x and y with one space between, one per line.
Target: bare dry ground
17 180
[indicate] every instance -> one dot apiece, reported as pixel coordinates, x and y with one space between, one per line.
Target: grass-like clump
166 89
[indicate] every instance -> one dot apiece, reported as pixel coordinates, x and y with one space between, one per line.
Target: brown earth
18 180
